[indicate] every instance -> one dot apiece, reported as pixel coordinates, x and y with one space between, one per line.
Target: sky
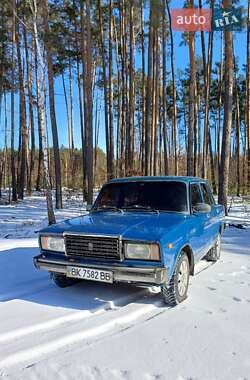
181 62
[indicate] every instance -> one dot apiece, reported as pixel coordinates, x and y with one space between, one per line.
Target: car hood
131 225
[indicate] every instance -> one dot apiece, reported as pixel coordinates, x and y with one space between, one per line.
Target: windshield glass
160 195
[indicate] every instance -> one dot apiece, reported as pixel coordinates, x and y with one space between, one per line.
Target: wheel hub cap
182 278
217 247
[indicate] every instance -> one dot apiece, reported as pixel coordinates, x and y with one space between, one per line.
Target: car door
198 221
211 225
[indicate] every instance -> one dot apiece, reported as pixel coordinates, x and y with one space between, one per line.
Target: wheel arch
188 250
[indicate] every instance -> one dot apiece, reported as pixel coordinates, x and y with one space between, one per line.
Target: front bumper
137 275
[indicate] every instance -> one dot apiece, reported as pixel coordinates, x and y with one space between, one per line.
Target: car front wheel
176 290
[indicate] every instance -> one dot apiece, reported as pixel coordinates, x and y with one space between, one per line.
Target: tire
62 281
175 291
215 252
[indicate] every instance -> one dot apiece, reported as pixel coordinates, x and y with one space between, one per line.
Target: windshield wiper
108 208
141 207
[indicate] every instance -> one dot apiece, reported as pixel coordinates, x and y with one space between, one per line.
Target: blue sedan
140 230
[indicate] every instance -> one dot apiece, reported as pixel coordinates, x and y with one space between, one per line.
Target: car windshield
158 195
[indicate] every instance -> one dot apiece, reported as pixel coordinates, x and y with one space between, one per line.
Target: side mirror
201 207
88 207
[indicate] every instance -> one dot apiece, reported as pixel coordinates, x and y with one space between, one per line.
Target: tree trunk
119 106
207 82
71 108
57 162
84 130
5 148
80 96
227 124
220 78
31 114
174 118
164 81
111 117
192 91
126 89
12 143
89 125
123 85
97 129
237 135
143 91
41 107
213 181
130 130
148 118
40 132
248 98
67 111
105 89
22 114
156 105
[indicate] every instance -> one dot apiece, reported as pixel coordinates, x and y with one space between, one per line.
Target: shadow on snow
20 280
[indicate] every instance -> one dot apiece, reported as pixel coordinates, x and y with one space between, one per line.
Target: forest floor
100 331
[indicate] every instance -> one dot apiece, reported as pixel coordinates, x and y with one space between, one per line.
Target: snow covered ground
25 218
99 331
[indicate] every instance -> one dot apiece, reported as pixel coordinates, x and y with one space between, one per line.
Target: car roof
186 179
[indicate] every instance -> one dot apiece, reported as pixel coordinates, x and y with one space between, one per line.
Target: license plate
90 274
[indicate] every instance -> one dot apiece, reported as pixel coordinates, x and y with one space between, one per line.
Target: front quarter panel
172 243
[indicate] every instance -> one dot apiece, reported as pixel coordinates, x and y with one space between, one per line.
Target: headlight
142 251
53 243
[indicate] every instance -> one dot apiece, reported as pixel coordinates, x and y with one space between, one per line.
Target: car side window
207 194
195 195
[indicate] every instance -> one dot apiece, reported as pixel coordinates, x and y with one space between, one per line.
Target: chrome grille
92 246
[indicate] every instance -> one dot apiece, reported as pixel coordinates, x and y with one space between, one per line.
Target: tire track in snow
38 351
77 316
71 318
91 333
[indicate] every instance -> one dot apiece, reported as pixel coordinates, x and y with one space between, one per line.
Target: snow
101 331
24 219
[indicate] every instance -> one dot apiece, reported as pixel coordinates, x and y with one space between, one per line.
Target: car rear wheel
62 281
215 252
175 291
